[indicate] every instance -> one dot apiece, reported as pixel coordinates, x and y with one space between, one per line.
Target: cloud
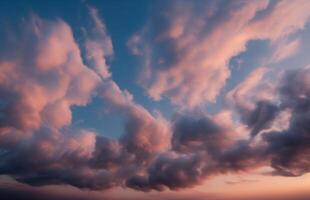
98 45
202 148
290 146
185 55
144 133
39 87
198 132
254 100
285 49
244 96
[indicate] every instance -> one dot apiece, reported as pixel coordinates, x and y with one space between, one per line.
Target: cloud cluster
186 48
38 87
45 75
43 79
202 148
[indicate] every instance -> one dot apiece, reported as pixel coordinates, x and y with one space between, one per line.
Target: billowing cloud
186 48
40 85
38 91
144 134
201 149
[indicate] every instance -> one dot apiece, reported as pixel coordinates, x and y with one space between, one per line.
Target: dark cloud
171 171
107 153
200 147
289 148
261 116
192 132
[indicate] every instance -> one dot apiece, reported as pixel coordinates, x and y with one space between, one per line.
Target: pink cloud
46 83
284 50
144 132
254 88
187 60
41 86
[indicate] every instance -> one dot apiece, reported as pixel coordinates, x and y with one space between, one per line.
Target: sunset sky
152 100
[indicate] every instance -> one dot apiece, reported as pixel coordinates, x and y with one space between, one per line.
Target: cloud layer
265 122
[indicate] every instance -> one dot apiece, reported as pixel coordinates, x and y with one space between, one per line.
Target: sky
176 100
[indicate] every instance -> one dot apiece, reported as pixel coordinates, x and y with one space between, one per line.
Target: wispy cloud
186 48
